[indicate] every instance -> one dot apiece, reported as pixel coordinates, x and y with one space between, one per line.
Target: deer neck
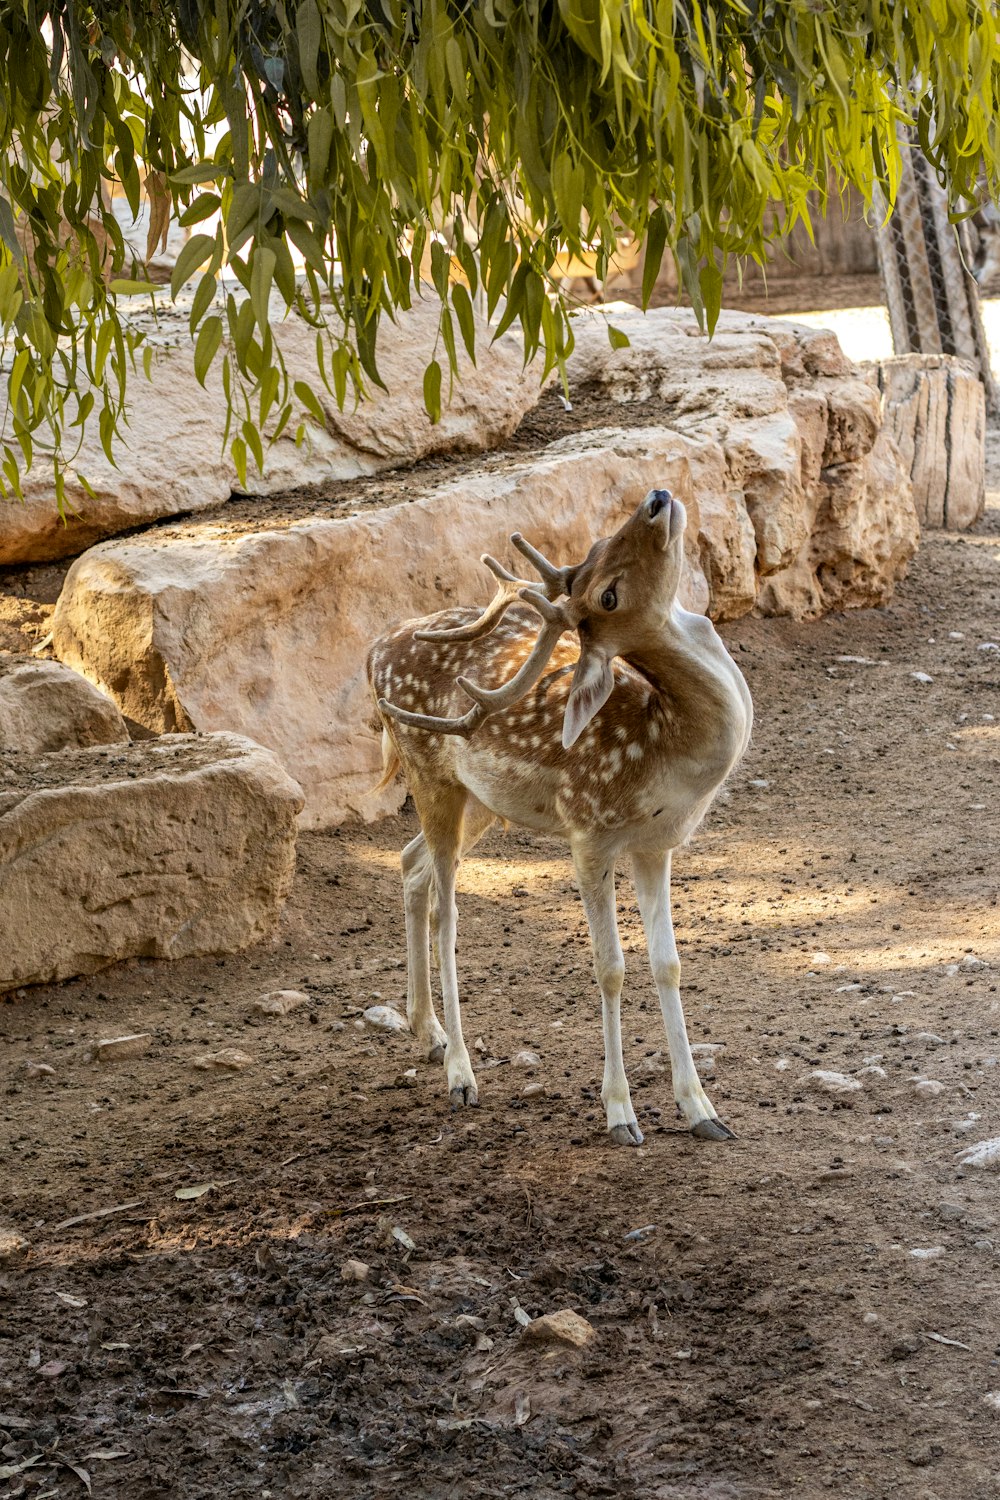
695 682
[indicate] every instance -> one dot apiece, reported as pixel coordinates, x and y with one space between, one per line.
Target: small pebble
921 677
525 1059
927 1088
534 1091
355 1270
930 1252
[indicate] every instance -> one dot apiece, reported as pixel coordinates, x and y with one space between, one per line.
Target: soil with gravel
811 1309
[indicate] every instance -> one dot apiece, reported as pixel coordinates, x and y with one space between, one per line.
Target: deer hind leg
652 885
418 880
442 817
596 879
420 905
476 821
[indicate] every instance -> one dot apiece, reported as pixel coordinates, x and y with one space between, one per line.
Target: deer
593 708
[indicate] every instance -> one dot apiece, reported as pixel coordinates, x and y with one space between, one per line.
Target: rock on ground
169 848
172 459
45 706
794 504
563 1327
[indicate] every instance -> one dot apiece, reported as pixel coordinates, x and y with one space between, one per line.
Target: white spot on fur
634 751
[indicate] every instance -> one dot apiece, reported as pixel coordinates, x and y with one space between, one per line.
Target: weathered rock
564 1327
38 1070
833 1083
280 1002
795 505
934 409
174 460
384 1018
45 706
13 1246
121 1048
225 1060
168 848
826 491
984 1154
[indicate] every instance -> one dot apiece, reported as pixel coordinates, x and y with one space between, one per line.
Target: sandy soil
770 1332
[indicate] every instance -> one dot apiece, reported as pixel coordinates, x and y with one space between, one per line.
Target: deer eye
609 600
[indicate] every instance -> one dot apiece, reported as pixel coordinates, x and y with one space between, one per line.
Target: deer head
617 600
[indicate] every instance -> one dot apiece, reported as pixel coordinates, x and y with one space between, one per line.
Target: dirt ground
811 1309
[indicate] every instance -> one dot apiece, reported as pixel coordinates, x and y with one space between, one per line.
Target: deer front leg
458 1066
652 885
596 879
418 878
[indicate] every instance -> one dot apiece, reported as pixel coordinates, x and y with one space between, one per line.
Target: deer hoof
712 1130
626 1135
464 1094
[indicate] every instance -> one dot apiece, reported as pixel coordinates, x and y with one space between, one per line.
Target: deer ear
593 681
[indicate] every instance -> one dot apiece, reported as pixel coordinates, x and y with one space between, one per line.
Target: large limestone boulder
261 623
45 706
165 849
800 429
172 461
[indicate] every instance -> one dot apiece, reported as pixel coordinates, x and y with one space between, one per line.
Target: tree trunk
934 409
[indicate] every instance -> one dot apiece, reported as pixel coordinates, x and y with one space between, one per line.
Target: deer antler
507 594
488 701
557 580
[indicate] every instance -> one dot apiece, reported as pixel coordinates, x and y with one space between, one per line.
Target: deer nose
658 500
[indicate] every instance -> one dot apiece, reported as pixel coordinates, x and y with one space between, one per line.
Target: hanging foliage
319 148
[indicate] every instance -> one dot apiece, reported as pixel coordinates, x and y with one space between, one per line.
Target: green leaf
309 29
465 312
207 346
617 339
132 288
656 240
205 171
8 231
432 391
262 266
194 254
203 299
203 207
309 400
253 442
710 281
238 449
